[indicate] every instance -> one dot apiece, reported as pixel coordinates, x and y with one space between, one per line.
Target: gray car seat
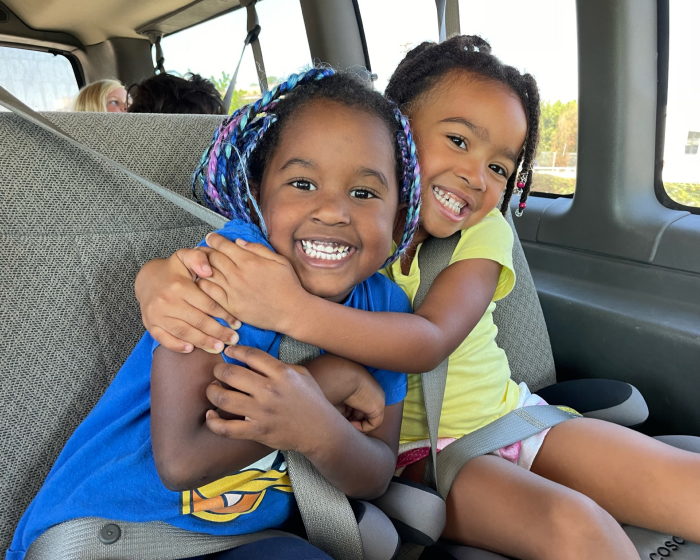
74 234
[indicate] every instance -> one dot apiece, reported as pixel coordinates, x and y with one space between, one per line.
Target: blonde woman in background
102 96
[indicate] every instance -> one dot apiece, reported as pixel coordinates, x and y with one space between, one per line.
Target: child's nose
331 210
473 176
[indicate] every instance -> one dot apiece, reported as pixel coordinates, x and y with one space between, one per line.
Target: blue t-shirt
107 469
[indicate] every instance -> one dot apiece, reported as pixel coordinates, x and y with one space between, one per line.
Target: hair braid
409 192
219 183
246 141
428 63
533 138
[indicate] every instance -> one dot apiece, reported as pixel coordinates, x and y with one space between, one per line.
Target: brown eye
362 194
458 141
498 169
303 185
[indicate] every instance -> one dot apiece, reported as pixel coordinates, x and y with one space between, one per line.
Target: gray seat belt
251 39
255 43
440 470
328 518
101 539
151 535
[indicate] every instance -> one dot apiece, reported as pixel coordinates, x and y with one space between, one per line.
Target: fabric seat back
522 332
73 235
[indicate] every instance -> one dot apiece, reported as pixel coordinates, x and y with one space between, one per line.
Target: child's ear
400 221
255 191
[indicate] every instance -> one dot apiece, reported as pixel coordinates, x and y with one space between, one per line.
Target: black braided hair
428 63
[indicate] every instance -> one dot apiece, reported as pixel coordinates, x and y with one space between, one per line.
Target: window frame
662 46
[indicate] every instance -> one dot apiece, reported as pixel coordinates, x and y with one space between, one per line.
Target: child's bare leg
499 506
637 479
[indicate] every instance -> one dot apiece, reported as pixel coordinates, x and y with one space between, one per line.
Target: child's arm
175 311
263 289
351 389
284 409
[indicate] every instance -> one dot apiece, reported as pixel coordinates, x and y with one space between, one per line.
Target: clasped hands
285 406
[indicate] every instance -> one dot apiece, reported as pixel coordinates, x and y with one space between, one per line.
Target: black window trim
662 42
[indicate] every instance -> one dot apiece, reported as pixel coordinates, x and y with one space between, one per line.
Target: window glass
212 48
681 171
392 28
44 81
538 37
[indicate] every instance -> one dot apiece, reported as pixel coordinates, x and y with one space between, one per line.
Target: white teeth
448 201
325 251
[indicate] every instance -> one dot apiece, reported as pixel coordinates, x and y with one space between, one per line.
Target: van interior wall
125 59
618 274
334 33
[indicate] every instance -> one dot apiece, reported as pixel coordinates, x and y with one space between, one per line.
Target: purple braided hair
221 179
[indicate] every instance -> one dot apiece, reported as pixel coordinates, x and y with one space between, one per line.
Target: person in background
165 93
102 96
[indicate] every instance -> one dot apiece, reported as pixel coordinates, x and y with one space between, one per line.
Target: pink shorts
522 453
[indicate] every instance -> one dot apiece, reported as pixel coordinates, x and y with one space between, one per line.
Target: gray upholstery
522 332
73 234
688 443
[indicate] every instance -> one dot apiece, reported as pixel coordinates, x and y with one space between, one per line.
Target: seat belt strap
440 471
517 425
255 43
252 36
326 512
16 106
433 257
103 539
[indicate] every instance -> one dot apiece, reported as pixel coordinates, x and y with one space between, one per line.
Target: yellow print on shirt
232 496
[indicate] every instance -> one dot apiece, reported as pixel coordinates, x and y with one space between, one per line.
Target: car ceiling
94 21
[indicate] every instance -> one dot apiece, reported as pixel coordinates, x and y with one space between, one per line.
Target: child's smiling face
329 196
469 131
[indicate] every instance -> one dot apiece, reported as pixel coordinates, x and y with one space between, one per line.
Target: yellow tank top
479 388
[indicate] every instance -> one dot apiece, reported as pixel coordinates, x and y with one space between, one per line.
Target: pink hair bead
522 205
520 185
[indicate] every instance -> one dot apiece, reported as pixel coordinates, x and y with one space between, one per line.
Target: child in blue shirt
317 170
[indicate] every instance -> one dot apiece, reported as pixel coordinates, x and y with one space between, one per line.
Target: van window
681 166
392 28
538 37
212 48
44 81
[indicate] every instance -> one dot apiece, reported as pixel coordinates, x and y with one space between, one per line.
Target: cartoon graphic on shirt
239 494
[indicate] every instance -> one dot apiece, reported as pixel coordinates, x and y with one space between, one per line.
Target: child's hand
175 311
365 407
253 283
284 408
351 389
